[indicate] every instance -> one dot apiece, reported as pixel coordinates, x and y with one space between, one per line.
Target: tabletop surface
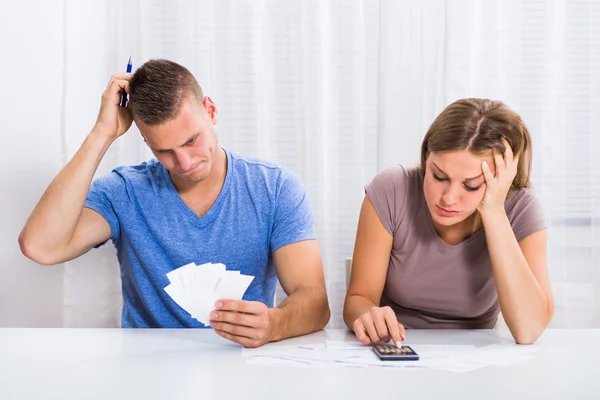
189 363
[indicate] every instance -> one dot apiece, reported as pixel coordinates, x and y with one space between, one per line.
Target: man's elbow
27 247
322 312
34 252
325 316
322 304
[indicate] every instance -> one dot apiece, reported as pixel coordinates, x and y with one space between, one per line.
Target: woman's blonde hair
478 125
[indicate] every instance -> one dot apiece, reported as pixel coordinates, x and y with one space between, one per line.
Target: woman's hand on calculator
379 325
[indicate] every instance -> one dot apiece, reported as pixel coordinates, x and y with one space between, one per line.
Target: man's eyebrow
192 137
468 179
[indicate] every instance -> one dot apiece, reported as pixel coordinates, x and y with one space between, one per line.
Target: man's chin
194 177
199 176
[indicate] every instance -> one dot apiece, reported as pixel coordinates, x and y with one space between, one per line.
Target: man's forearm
303 312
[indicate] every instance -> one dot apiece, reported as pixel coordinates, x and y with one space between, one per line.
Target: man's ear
211 109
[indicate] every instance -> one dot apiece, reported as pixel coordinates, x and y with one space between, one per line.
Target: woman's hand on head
379 325
497 186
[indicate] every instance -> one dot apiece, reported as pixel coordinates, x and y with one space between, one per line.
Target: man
196 202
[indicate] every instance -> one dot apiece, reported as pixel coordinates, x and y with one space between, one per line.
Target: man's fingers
236 330
249 307
238 318
117 86
244 341
122 76
113 93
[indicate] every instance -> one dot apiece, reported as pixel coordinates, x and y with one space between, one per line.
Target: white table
197 364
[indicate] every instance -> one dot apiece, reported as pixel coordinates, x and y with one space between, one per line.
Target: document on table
455 358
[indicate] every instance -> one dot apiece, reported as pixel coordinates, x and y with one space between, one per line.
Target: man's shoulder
259 170
139 175
258 173
242 161
150 167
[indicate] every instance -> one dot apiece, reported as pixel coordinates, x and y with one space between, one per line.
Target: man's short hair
157 90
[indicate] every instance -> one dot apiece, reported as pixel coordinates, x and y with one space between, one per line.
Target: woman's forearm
356 306
522 300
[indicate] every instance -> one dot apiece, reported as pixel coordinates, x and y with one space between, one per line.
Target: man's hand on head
114 120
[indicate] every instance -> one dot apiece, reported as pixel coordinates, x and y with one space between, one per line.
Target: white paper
346 345
454 358
177 272
196 288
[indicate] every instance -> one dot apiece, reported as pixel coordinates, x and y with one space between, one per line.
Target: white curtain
543 59
338 90
296 83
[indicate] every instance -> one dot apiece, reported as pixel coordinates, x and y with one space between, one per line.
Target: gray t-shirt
429 283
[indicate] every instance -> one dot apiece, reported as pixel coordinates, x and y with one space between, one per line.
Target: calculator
392 353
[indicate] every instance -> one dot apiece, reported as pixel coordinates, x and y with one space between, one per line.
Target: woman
455 241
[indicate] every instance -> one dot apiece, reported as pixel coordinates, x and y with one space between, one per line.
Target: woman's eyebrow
468 179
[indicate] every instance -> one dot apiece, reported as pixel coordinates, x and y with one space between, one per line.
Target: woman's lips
444 212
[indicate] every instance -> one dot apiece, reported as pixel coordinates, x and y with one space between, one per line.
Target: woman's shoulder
525 212
398 177
392 193
521 199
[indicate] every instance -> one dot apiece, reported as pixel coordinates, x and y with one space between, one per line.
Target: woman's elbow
526 339
532 333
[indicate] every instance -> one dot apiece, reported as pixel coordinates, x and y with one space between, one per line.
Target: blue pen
125 95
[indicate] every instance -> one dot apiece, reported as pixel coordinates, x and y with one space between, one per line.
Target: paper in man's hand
196 288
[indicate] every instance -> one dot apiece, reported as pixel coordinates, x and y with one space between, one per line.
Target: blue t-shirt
260 208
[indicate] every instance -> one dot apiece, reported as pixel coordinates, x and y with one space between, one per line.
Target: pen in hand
125 95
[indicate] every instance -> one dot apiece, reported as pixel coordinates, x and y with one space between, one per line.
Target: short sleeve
526 214
388 191
292 220
103 192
